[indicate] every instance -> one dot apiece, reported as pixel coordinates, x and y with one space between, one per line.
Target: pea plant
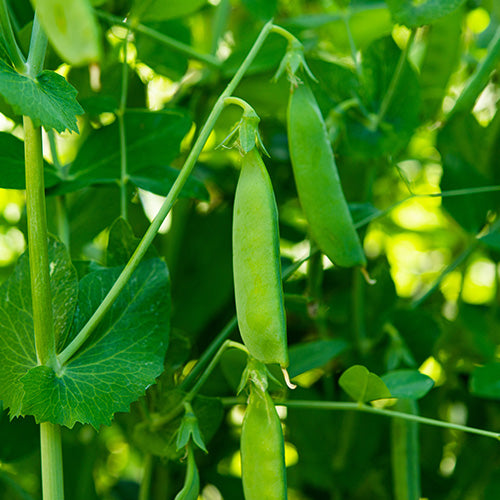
262 248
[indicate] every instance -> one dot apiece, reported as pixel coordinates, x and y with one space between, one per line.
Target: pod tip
367 277
287 379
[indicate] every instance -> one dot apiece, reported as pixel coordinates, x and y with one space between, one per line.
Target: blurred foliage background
422 180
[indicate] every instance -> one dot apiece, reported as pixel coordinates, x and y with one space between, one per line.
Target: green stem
38 46
479 79
183 176
160 37
177 410
144 491
37 246
11 45
219 24
457 262
443 194
122 132
334 405
389 95
209 352
52 464
284 33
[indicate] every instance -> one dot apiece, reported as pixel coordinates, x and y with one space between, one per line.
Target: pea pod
405 453
72 29
256 264
262 449
318 183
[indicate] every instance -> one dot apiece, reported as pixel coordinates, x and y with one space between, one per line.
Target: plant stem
37 246
335 405
183 176
389 95
284 33
122 132
479 78
146 477
52 464
457 262
38 46
209 352
219 24
11 45
160 37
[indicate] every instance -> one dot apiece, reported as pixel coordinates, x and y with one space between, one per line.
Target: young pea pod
318 183
262 449
256 264
405 453
191 488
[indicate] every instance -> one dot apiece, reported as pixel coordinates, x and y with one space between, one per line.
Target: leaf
485 381
169 63
417 13
122 244
71 28
261 9
159 180
159 10
410 384
18 437
98 160
48 99
361 138
309 355
12 170
17 342
362 385
121 359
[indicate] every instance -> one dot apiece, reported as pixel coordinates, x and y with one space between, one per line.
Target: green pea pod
262 450
256 264
191 488
405 453
318 183
71 28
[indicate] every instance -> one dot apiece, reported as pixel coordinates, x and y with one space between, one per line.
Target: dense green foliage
409 95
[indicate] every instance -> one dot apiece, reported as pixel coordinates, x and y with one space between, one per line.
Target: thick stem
172 196
52 464
144 491
38 46
37 246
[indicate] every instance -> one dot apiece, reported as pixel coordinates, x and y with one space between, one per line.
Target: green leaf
417 13
71 28
122 358
12 173
309 355
122 244
48 99
410 384
18 437
261 9
17 341
159 10
361 138
163 441
169 63
362 385
98 160
485 381
160 178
